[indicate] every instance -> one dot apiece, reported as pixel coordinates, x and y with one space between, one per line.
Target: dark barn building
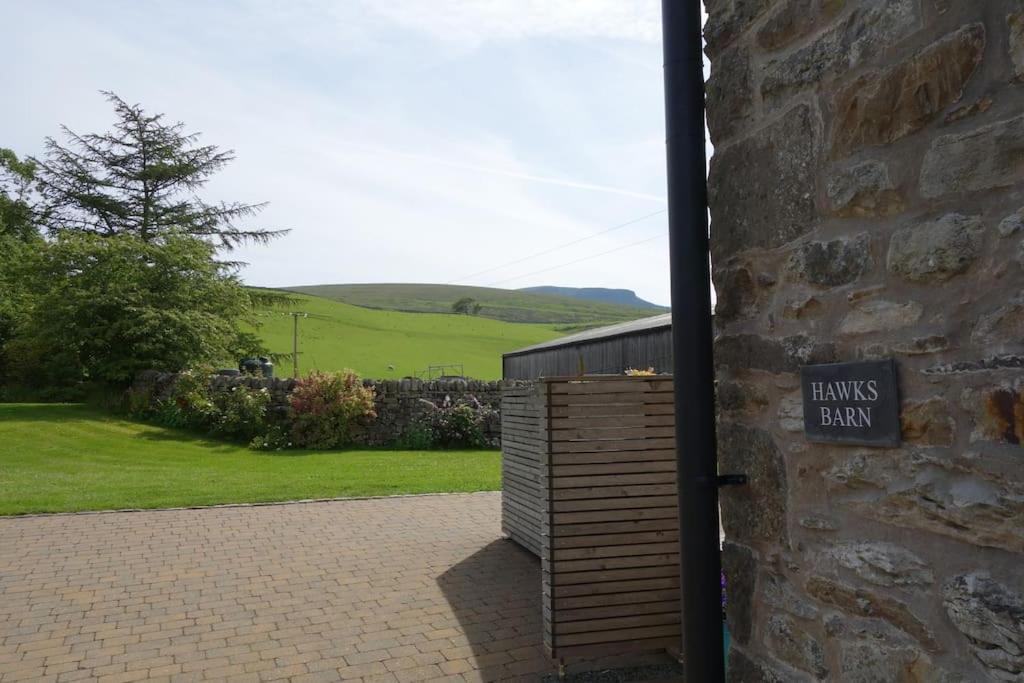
640 344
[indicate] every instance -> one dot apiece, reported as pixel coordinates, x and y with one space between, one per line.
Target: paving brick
395 590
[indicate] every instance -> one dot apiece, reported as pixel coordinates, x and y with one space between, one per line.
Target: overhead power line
560 246
580 260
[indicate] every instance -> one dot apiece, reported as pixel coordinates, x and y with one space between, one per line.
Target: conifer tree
140 179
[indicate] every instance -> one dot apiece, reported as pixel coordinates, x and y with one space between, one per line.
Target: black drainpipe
692 336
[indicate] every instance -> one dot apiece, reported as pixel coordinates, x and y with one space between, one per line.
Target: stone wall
399 403
867 201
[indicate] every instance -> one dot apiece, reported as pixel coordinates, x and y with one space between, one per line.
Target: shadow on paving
495 593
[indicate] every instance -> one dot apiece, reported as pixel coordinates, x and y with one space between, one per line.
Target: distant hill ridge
570 313
622 297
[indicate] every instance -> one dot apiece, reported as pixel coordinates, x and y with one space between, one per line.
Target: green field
500 304
63 458
392 344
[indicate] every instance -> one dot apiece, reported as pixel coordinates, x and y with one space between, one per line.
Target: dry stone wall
399 403
867 202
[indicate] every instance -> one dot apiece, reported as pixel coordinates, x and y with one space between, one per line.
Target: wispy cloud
476 21
507 173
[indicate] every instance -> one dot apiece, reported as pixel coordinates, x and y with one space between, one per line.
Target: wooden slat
612 456
593 578
608 432
613 468
664 630
632 503
617 551
614 491
617 623
599 410
664 397
605 611
619 445
609 421
614 515
586 652
667 524
603 563
625 599
601 540
569 591
614 480
589 388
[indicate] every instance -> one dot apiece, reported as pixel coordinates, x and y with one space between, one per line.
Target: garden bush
327 407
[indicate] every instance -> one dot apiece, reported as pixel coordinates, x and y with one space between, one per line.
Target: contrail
546 180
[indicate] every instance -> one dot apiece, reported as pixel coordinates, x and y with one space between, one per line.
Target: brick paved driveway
401 589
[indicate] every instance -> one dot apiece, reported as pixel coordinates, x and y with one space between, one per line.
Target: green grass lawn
62 458
391 344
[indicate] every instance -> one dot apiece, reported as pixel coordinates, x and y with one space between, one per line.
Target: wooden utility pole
295 342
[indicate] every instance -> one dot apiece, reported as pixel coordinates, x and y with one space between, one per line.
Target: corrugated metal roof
616 330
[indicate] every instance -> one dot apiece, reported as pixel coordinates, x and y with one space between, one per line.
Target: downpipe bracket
731 480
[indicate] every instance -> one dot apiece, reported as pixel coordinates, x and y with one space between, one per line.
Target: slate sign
854 403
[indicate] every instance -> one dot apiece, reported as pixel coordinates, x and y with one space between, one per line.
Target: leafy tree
108 307
467 305
140 179
16 211
18 238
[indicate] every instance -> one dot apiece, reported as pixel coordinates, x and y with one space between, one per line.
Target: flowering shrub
241 412
326 406
635 372
457 424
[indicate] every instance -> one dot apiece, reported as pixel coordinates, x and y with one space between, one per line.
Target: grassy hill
338 335
500 304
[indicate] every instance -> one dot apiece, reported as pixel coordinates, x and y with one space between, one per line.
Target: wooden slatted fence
603 450
523 441
610 535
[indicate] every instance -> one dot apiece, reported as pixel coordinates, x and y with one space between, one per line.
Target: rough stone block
761 189
937 250
928 422
880 316
864 190
729 93
861 602
986 158
1016 26
1012 224
757 511
952 498
740 567
744 668
998 412
728 19
871 660
779 594
871 28
796 19
795 646
883 564
991 616
880 108
737 293
833 263
791 414
749 351
1001 327
819 523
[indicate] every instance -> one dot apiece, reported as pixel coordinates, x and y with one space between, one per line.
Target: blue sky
401 140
